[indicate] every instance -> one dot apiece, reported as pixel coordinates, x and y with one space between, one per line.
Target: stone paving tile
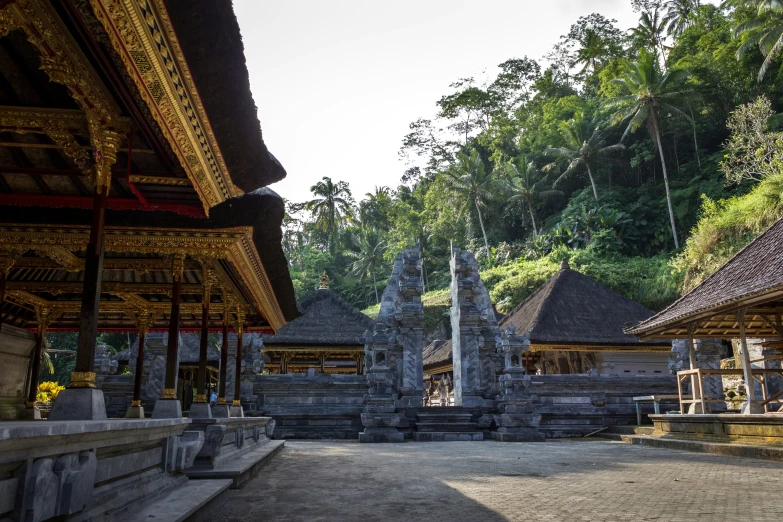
492 481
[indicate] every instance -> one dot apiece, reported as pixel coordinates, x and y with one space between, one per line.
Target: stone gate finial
564 265
324 282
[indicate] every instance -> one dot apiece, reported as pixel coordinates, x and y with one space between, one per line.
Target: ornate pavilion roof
751 280
326 319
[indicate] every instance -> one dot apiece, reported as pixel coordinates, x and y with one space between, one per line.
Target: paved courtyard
490 481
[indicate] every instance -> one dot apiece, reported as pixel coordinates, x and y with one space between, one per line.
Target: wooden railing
759 374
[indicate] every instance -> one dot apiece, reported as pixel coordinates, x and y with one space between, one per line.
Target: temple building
132 175
328 337
574 325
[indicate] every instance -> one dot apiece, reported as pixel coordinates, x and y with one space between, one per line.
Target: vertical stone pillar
474 329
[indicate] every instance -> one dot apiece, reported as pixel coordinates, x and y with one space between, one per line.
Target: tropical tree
331 206
585 143
597 40
471 182
650 92
368 256
680 15
525 183
765 31
651 32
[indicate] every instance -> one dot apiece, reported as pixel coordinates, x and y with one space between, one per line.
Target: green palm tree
650 92
471 182
680 15
592 50
765 31
368 256
331 206
651 31
585 144
525 183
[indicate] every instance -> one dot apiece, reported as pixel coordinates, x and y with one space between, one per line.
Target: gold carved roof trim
141 33
599 348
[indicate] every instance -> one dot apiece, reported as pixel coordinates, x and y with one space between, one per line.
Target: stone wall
574 405
16 346
311 406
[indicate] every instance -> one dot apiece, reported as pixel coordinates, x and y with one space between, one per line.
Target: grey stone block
220 411
200 410
213 440
30 414
236 411
42 489
8 489
135 412
167 409
77 475
79 404
190 443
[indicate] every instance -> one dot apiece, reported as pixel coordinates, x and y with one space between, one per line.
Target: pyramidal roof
326 320
572 308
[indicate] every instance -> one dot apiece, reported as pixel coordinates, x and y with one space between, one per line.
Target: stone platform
228 438
196 501
91 470
755 430
241 469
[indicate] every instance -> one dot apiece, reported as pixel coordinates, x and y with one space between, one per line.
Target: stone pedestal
200 410
135 412
236 412
220 411
30 413
752 408
79 404
167 409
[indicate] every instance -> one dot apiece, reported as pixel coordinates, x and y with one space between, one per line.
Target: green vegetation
625 146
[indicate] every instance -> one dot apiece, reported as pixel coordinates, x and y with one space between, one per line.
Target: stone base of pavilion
234 448
755 430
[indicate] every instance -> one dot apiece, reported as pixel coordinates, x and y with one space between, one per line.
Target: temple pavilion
574 325
742 299
132 169
328 337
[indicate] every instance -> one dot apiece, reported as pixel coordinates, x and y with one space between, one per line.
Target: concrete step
774 453
242 468
447 436
631 430
451 427
196 501
445 417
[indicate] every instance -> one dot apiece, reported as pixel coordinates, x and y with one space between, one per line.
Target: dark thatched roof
262 209
573 309
752 278
208 33
326 320
437 352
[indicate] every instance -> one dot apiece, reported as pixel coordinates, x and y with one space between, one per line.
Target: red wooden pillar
238 378
83 375
223 362
201 387
139 365
172 354
31 405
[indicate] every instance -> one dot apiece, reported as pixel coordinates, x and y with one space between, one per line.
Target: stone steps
196 501
318 426
446 423
242 468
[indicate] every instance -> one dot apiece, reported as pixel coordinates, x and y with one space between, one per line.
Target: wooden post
238 378
7 259
201 378
83 375
172 354
32 391
695 379
747 372
223 362
142 324
323 363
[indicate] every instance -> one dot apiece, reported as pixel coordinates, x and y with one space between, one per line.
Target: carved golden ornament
142 35
60 125
169 393
235 403
159 180
324 282
178 267
8 256
221 400
62 60
200 397
135 404
62 256
82 380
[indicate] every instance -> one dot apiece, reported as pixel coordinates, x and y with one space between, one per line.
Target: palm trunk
695 142
592 181
665 178
486 243
375 287
532 219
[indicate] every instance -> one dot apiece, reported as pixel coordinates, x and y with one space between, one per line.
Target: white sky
338 81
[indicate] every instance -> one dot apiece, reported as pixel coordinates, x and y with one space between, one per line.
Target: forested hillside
647 156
